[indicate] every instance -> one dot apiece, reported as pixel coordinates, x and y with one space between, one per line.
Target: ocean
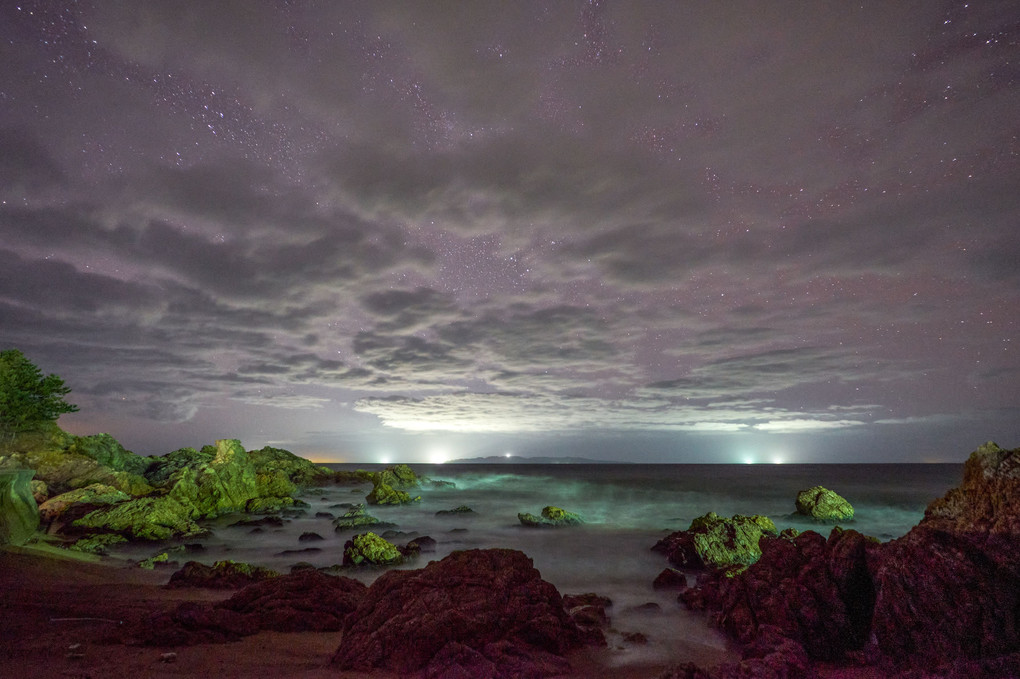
626 508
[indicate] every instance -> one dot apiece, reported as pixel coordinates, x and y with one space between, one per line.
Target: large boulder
551 517
713 541
298 471
159 517
484 613
824 505
385 494
19 514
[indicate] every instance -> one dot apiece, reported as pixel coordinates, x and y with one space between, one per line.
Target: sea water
627 508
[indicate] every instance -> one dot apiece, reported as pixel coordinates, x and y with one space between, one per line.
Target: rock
297 470
384 494
370 549
670 578
463 510
150 563
474 613
92 494
274 521
221 575
357 517
40 491
944 600
552 517
149 518
303 601
712 541
310 537
422 544
822 504
98 544
19 514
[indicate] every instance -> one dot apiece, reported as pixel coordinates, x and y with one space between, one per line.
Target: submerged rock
713 541
462 510
19 514
370 549
822 504
484 613
552 517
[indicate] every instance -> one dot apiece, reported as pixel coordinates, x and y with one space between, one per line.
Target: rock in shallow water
552 517
822 504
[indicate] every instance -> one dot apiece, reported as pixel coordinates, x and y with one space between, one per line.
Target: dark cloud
318 223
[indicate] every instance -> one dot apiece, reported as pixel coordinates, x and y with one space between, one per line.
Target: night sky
660 231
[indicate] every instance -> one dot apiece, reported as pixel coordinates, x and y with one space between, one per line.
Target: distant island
519 459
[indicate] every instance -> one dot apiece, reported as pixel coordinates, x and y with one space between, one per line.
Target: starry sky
637 231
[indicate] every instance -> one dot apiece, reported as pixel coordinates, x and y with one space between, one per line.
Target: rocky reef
943 600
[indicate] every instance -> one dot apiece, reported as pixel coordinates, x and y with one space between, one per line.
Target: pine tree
27 398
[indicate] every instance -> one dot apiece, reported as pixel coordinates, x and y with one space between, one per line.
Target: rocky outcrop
19 514
552 517
823 505
477 613
385 494
944 600
86 497
713 541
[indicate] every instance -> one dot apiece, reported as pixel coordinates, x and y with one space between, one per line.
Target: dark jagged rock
670 578
552 517
474 613
824 505
303 601
274 521
221 575
944 600
418 545
310 537
19 514
713 541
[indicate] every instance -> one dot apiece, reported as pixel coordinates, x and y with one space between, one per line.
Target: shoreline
67 614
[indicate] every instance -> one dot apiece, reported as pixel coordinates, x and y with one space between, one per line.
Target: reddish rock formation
305 601
484 613
945 598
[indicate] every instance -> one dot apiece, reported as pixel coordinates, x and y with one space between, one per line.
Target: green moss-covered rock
384 494
19 514
65 462
297 470
716 542
822 504
272 505
148 518
93 494
150 563
552 517
369 548
357 517
98 544
274 483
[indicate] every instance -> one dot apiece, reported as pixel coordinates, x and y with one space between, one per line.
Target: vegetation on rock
552 517
713 541
369 548
822 504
